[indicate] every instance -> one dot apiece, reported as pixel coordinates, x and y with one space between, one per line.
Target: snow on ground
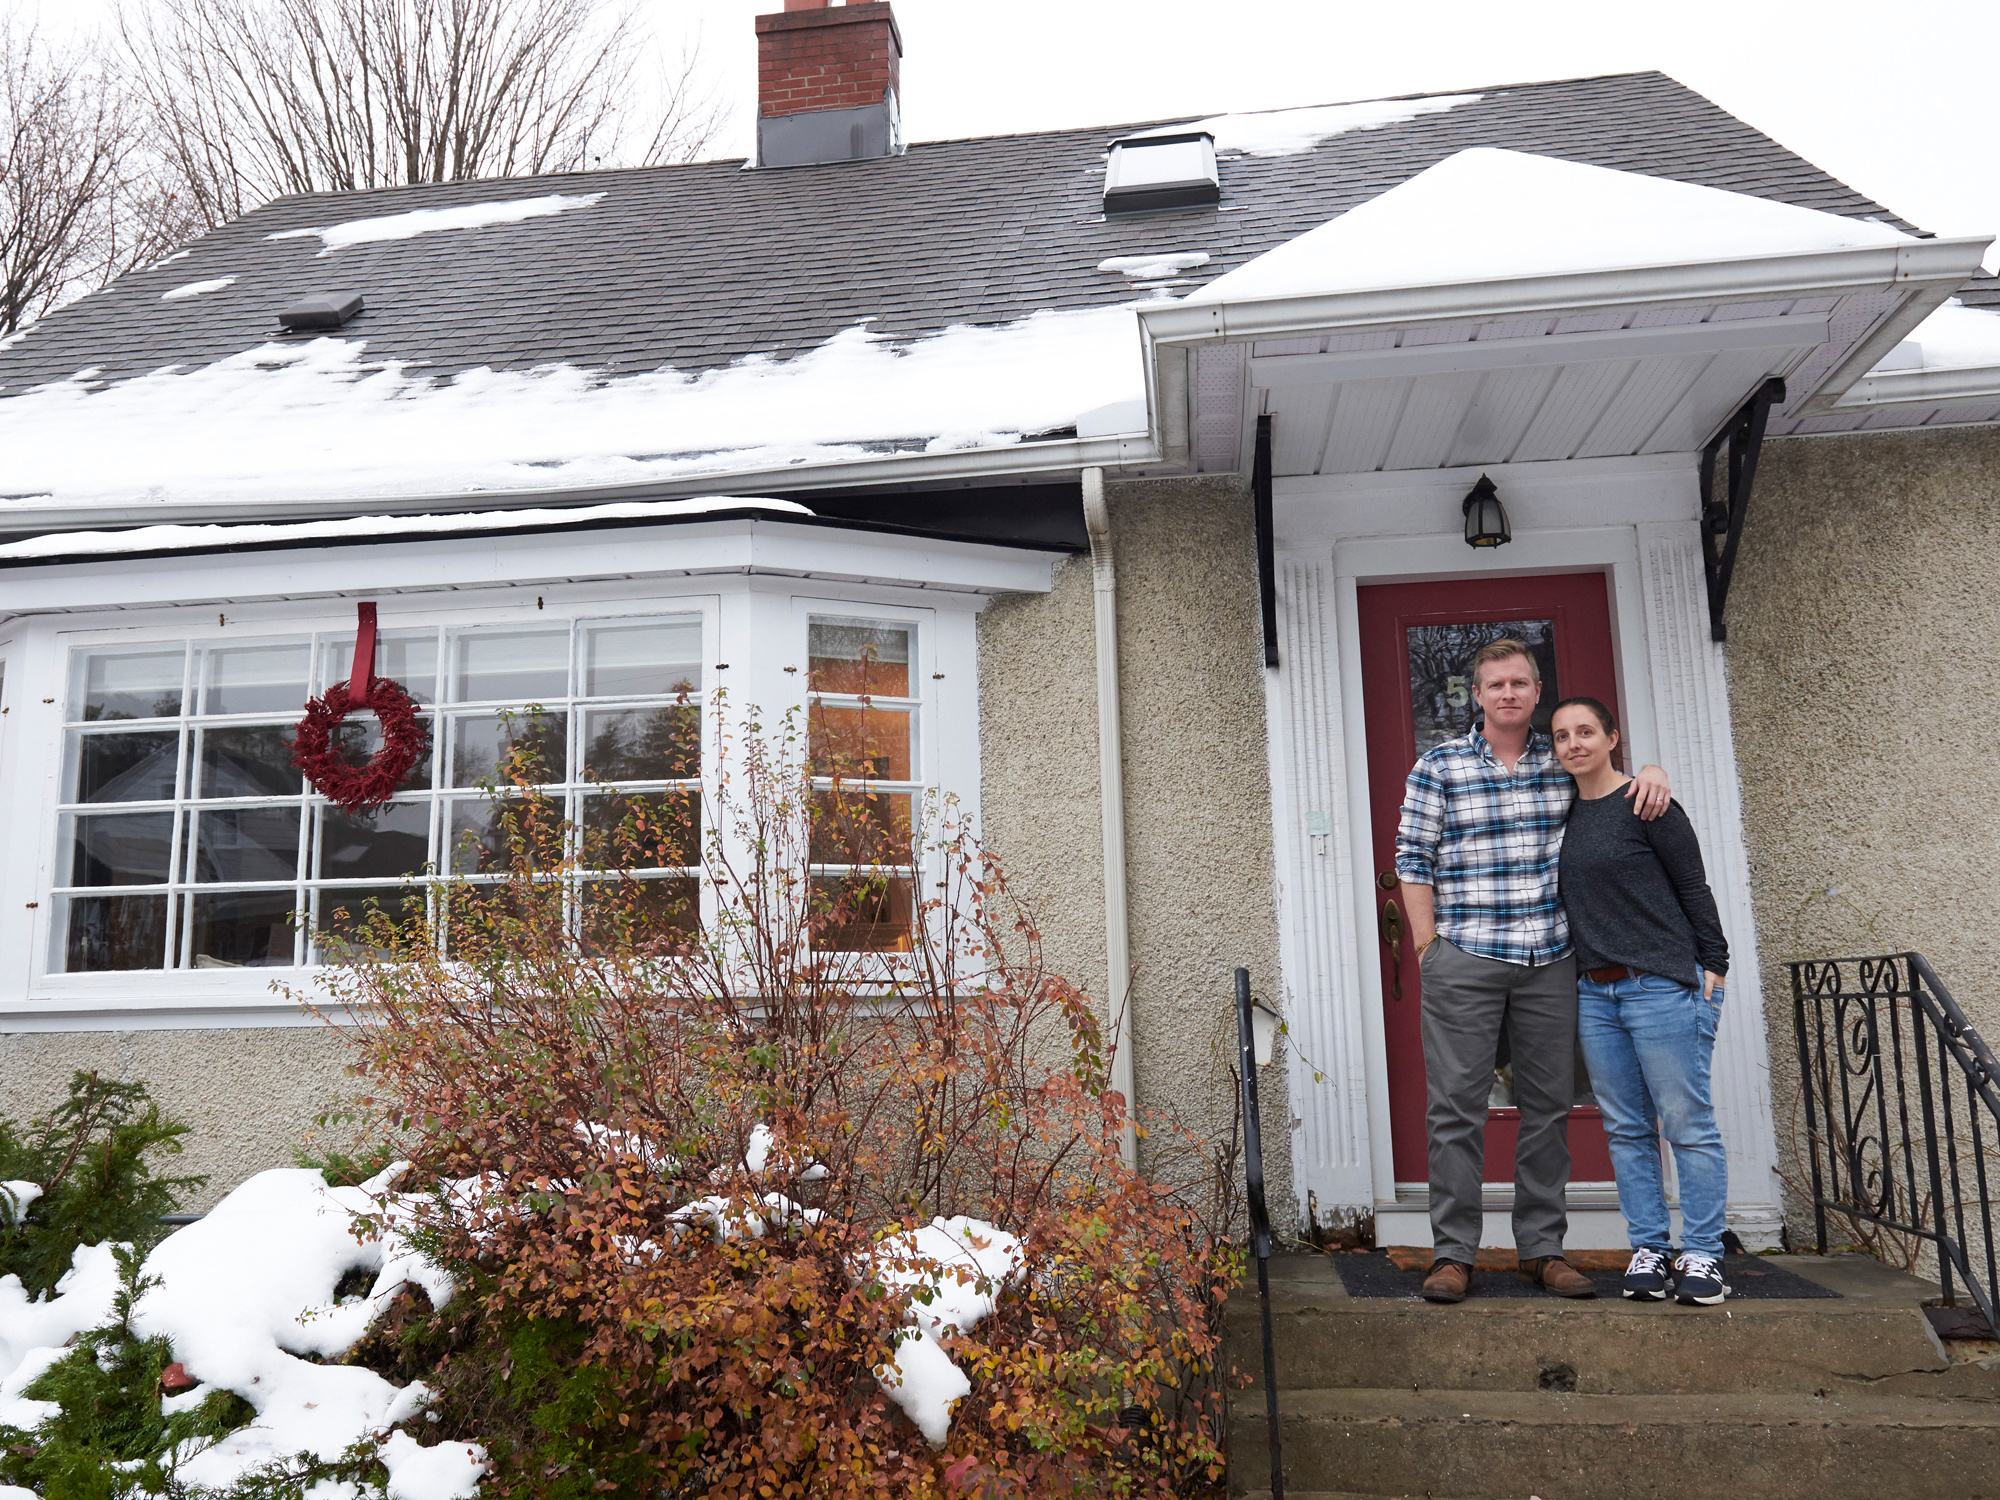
1488 214
248 1289
951 1271
418 221
320 420
33 1335
196 288
1285 132
245 1297
175 538
1955 337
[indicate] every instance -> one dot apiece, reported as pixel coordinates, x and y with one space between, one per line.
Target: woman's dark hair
1606 719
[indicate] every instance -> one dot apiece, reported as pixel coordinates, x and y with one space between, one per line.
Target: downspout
1111 785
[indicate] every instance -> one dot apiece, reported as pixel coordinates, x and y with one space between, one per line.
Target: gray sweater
1636 892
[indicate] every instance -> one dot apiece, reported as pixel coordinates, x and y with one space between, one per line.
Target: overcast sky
1899 101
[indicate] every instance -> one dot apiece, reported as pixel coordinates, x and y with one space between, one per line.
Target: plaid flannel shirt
1487 843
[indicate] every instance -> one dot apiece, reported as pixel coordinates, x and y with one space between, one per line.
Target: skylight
1161 171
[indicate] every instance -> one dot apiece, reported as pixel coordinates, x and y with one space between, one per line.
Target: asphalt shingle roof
701 265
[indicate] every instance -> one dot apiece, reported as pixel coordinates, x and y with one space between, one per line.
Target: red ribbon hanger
361 678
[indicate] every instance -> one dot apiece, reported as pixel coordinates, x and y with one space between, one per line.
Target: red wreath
404 737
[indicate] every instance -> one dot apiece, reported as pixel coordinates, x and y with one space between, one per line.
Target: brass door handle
1392 938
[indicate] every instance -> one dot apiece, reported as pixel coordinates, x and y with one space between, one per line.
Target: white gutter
1925 387
1111 788
1927 271
1054 457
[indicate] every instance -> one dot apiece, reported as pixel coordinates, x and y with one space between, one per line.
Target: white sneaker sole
1659 1296
1715 1301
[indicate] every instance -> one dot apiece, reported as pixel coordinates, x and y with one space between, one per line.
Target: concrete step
1874 1332
1853 1444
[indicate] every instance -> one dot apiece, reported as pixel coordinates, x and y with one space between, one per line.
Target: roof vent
318 310
1167 169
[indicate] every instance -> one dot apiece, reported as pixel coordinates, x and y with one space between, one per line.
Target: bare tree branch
249 99
71 215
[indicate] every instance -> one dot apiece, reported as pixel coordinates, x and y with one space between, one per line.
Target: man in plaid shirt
1476 853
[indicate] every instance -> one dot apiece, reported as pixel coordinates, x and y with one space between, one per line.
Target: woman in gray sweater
1650 959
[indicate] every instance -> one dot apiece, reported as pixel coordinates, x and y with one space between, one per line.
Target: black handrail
1260 1218
1902 1101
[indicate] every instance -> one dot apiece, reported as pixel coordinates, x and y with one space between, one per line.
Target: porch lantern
1485 517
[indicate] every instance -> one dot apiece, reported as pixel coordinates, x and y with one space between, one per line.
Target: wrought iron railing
1902 1105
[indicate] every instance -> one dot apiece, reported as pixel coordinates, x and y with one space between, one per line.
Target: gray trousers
1465 1000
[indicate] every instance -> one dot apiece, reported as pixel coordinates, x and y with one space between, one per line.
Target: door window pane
142 766
869 657
248 760
514 666
242 930
254 679
106 933
245 844
651 660
121 848
1440 659
381 843
126 684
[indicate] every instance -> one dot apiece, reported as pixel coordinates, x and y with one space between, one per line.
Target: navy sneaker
1698 1279
1646 1277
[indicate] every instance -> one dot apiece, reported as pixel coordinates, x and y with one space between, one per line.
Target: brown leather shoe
1553 1273
1448 1282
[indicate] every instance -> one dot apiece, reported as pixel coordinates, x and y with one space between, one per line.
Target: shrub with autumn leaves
693 1133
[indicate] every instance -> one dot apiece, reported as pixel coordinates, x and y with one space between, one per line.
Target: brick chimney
827 78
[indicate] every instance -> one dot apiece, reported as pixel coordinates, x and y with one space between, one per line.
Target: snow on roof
1155 266
318 420
196 538
196 288
431 220
1286 132
1955 337
1488 214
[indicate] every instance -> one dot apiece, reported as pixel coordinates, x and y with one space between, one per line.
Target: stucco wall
1863 619
250 1095
1197 789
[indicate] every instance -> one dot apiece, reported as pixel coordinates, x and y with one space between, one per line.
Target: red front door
1416 639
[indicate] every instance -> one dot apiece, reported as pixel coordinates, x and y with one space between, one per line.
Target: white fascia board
1056 456
460 561
1929 271
1921 387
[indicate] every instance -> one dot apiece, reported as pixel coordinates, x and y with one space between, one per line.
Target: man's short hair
1501 650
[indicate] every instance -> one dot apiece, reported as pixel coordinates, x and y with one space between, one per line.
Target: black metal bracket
1267 542
1722 516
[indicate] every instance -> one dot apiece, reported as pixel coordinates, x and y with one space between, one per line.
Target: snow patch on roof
433 220
1154 267
1955 337
1486 215
196 288
318 420
177 538
1286 132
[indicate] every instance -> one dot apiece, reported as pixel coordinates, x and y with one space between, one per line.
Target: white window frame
755 627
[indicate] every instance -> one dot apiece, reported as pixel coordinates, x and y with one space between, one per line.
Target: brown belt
1610 974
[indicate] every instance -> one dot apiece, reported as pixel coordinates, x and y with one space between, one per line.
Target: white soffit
1502 307
1945 373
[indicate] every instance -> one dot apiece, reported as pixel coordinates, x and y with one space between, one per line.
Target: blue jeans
1648 1042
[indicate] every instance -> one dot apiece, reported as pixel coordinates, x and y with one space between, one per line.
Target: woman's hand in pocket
1711 984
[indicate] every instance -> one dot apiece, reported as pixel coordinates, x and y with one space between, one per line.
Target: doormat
1375 1274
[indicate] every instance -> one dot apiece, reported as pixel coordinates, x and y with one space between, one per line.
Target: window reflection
387 841
121 849
246 844
138 766
242 930
642 744
503 746
107 685
253 760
